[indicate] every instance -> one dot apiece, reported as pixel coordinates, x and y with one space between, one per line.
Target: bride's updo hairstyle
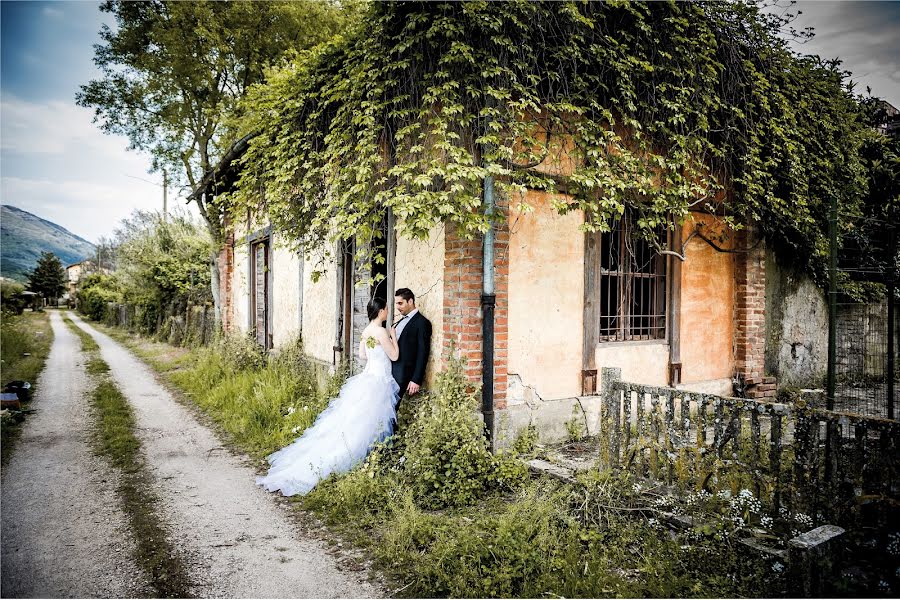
374 307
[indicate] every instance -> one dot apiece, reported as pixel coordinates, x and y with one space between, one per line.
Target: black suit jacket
415 346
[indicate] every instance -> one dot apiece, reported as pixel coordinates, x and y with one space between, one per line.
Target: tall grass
262 403
25 342
440 514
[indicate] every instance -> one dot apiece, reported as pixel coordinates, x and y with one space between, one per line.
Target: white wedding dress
363 413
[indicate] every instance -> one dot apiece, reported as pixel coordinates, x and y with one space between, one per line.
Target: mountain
23 236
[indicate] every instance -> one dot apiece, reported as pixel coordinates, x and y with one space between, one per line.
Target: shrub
95 292
448 458
11 299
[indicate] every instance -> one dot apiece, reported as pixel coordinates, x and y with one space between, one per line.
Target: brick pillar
462 306
750 313
226 281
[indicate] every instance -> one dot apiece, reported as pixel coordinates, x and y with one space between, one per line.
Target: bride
362 414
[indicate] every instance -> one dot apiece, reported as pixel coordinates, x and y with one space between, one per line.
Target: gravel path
63 533
238 540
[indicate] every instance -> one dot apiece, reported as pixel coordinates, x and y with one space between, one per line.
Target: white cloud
52 13
53 127
89 209
61 167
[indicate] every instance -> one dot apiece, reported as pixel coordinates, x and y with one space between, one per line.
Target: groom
413 332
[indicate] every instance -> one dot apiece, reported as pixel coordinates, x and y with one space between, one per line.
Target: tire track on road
63 532
238 542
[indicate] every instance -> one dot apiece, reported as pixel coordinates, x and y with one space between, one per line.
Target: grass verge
25 342
115 439
440 516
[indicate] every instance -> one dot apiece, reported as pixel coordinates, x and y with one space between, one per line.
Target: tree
174 71
48 277
162 261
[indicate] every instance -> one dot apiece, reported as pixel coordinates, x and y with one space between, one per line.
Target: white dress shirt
402 324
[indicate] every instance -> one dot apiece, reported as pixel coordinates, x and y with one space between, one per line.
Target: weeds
443 516
25 342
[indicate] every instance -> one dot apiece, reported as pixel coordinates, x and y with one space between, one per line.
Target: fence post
610 411
832 305
811 559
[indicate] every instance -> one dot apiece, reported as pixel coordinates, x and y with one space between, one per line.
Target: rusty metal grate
632 286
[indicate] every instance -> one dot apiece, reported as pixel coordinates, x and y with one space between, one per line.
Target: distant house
75 273
892 121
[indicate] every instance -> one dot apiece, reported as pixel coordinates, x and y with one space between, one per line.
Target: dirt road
240 542
63 534
237 540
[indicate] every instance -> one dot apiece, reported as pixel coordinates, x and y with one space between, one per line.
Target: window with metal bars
631 278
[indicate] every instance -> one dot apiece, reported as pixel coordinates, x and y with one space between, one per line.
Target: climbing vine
651 107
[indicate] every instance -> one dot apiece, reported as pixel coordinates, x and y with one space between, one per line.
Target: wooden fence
184 325
791 456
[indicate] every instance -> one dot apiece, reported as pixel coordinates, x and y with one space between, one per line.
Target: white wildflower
290 411
295 429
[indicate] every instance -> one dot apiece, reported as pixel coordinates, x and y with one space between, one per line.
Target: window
260 291
631 286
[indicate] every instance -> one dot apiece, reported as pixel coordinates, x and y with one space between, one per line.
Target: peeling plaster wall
796 327
641 362
319 306
707 312
240 289
285 265
419 266
546 301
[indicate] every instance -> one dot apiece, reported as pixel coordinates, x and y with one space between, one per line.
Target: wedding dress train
362 414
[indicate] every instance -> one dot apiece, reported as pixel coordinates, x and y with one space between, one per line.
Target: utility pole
165 190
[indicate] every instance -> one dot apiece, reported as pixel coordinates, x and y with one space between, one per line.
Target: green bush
448 461
12 302
95 292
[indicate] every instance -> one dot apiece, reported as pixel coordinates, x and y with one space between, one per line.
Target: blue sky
55 163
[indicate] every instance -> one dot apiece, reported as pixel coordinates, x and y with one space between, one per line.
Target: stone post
609 415
811 558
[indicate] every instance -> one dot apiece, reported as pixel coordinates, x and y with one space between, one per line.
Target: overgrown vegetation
25 342
115 439
651 108
442 515
162 270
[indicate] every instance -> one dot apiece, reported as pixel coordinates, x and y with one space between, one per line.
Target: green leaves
656 107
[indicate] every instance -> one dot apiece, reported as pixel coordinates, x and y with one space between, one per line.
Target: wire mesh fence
865 318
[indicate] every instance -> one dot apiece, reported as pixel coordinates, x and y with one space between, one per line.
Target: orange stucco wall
546 298
707 308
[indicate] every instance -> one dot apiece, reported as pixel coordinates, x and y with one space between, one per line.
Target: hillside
23 236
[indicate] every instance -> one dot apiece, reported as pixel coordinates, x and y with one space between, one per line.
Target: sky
58 165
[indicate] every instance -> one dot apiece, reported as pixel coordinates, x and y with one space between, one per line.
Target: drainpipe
488 301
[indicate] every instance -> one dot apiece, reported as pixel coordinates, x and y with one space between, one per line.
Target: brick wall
462 306
750 314
226 282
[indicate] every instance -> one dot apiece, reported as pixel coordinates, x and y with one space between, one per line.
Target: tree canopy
173 71
48 277
657 107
